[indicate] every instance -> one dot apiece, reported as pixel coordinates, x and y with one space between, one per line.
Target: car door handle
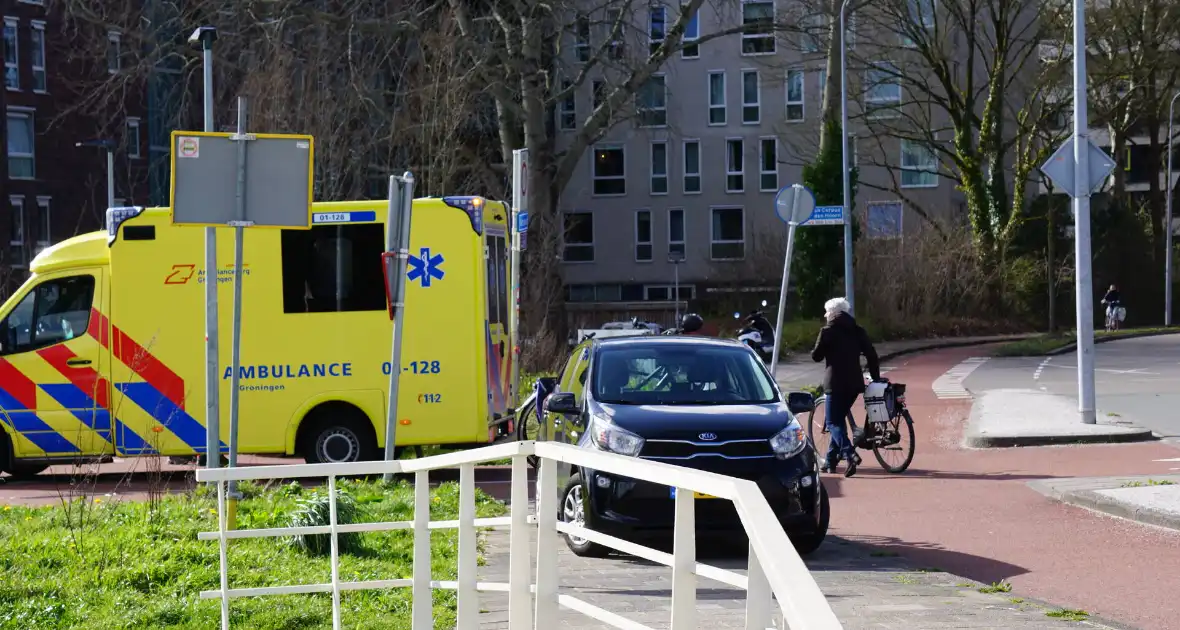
73 362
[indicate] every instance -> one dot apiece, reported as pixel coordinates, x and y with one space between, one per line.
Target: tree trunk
1051 259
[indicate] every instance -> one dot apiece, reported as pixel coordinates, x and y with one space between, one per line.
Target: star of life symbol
424 267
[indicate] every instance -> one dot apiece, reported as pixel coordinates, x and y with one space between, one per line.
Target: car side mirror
563 403
800 402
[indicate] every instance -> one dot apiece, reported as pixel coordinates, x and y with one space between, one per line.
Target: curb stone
1007 441
1097 340
1087 497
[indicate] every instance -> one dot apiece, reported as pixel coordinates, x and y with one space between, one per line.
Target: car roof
639 341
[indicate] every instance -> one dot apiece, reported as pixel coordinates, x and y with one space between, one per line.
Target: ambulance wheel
25 472
339 435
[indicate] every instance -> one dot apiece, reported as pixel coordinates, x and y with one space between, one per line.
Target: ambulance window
497 281
54 311
333 268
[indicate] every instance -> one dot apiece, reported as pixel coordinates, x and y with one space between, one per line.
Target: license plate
695 495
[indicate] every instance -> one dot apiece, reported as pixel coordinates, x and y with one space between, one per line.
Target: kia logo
708 437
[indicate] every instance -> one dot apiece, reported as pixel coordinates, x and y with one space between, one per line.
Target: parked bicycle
890 439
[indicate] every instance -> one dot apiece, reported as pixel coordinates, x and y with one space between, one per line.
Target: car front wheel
808 541
573 511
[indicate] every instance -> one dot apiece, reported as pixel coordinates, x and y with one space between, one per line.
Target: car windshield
680 374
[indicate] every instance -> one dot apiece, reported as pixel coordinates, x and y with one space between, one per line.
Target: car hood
726 422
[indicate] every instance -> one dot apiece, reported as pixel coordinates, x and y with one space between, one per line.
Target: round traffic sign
794 203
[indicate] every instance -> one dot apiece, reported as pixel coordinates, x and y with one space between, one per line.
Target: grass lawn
103 564
1043 344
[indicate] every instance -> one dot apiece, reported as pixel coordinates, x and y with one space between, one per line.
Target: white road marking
949 386
1108 370
1172 459
1041 368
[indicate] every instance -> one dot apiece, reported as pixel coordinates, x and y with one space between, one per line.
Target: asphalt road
1136 380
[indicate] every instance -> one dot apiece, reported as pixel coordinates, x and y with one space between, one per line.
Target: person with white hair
840 344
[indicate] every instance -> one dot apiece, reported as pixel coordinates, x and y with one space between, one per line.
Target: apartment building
52 188
693 176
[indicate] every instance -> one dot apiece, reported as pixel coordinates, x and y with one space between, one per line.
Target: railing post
467 613
758 595
224 569
546 499
684 559
423 604
519 560
335 553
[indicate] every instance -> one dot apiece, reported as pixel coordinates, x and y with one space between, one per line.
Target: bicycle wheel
817 429
896 458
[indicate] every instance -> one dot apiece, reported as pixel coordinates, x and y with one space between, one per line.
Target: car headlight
609 437
790 440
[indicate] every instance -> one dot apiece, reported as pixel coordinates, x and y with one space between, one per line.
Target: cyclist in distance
1112 300
840 344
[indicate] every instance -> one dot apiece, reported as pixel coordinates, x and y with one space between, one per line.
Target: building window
16 238
568 113
614 19
20 145
653 102
659 168
692 32
11 55
692 166
578 237
665 292
114 53
919 165
579 293
676 231
884 219
751 98
717 98
643 236
44 224
921 18
795 95
728 236
598 92
882 88
768 164
582 38
37 50
134 142
758 19
815 29
610 171
657 27
735 167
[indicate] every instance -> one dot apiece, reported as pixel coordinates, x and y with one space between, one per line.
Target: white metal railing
775 571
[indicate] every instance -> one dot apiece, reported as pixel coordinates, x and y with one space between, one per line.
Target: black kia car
701 403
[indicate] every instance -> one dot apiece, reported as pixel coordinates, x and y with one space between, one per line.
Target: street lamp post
109 147
848 288
1168 221
676 258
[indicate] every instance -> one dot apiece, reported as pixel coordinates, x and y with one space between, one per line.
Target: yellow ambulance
102 349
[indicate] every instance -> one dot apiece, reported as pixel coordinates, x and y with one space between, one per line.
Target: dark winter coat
840 344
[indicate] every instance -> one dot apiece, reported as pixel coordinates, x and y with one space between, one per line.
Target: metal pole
1168 221
676 281
212 358
782 294
1081 208
848 284
401 199
519 200
110 176
236 347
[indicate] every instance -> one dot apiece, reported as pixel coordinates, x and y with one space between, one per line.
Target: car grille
687 449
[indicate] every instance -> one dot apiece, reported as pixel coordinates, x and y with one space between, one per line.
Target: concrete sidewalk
1153 500
796 370
1025 417
868 590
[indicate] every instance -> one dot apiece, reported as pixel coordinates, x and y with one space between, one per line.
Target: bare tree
974 93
